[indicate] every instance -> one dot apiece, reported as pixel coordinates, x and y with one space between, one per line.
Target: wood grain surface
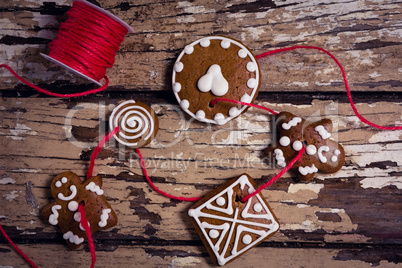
352 218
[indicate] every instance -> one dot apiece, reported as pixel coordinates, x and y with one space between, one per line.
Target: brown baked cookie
322 153
68 192
228 227
138 123
215 67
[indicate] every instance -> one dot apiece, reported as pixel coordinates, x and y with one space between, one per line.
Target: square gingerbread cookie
229 227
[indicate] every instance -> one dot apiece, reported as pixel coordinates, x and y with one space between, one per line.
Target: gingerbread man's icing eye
322 153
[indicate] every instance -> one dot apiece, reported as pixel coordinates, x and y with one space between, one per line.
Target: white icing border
253 93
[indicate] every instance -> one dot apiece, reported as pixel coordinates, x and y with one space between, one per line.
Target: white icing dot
178 66
334 158
191 212
77 216
337 152
242 53
64 180
257 207
176 87
58 184
213 233
246 98
188 49
251 67
225 44
220 119
184 104
220 201
72 206
234 112
200 114
246 239
205 42
251 83
297 145
284 141
311 149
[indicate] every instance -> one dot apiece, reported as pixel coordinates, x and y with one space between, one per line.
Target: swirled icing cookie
228 227
138 123
213 67
68 192
322 153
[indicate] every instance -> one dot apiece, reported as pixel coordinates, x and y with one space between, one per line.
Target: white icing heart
213 81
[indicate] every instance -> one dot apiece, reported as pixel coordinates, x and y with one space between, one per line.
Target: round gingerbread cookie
137 121
215 67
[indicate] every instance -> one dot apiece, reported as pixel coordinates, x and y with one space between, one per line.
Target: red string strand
19 251
98 149
214 101
87 41
44 91
364 120
144 170
84 223
291 163
81 208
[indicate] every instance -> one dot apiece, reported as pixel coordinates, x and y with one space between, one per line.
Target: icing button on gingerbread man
322 153
69 191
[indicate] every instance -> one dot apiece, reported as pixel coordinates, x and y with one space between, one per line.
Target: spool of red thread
87 42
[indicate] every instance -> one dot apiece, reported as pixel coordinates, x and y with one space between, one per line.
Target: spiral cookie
138 123
215 67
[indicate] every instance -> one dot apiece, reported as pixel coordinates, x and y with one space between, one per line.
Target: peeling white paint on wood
381 182
314 187
11 196
7 180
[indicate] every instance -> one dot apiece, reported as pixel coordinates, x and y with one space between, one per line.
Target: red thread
41 90
291 163
144 169
87 41
214 101
364 120
98 149
84 223
19 251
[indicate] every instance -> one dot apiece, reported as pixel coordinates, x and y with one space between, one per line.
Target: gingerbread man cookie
68 192
322 153
228 227
213 67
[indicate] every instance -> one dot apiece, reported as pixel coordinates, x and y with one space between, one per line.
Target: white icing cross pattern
244 232
213 81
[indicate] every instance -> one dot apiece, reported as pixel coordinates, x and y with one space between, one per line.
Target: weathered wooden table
351 218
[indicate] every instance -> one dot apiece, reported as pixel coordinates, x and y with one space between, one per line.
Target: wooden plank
194 256
339 208
364 35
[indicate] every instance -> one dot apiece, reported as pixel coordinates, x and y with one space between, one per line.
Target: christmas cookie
215 67
137 121
228 227
68 192
322 153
